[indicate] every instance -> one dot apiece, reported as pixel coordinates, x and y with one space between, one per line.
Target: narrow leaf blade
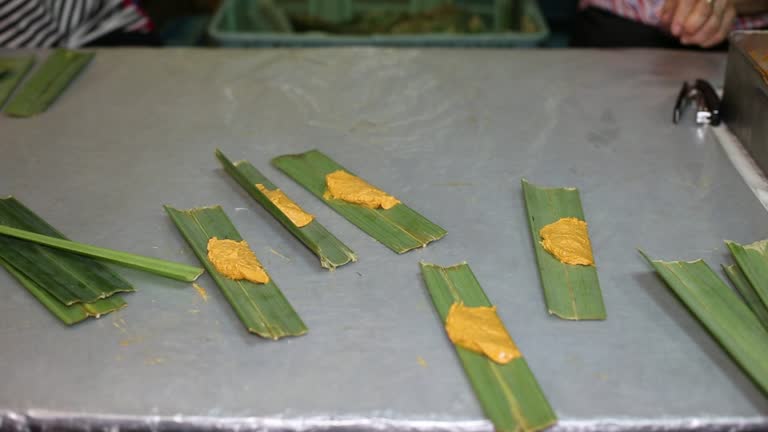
157 266
54 76
721 312
509 393
753 261
12 71
262 308
69 315
571 291
747 292
399 228
331 251
68 277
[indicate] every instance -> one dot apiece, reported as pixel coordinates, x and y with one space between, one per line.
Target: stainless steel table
451 133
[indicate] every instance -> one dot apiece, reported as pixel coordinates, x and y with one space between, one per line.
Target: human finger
710 28
726 25
665 14
680 14
702 11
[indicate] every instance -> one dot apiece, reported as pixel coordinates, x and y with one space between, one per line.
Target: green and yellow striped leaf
12 71
331 251
45 85
509 393
262 308
571 291
68 277
721 312
400 228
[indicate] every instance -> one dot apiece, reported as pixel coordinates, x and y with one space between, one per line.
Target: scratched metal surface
449 132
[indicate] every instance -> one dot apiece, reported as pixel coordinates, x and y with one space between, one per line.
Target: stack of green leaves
72 287
46 84
734 323
509 393
750 275
399 228
331 251
12 71
571 291
262 308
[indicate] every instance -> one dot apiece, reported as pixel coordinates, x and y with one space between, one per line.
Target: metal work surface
449 132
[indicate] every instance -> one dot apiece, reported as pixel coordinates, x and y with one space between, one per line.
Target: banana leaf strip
262 308
12 71
747 292
721 311
69 315
157 266
509 393
571 291
68 277
47 83
400 228
753 262
329 249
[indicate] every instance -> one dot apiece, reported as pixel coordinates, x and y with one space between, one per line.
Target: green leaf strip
12 71
753 262
721 312
45 85
747 292
399 228
571 291
68 277
156 266
331 251
509 393
262 308
69 315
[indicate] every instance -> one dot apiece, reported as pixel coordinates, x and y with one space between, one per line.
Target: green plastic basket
241 23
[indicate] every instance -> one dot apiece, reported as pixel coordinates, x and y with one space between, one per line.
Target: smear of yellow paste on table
235 260
568 241
347 187
479 329
200 291
296 214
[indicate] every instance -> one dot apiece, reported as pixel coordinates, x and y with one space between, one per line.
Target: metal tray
745 99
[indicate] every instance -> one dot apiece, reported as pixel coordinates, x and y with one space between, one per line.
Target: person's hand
698 22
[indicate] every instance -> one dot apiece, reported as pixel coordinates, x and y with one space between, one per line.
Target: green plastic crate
240 23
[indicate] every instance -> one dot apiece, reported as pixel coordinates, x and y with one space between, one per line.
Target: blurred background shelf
190 22
246 23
